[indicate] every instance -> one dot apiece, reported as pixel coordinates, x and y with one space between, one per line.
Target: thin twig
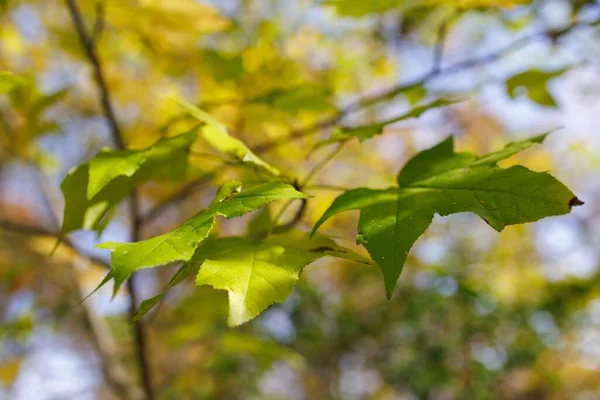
90 50
185 192
99 24
30 230
438 51
367 101
320 165
304 202
139 331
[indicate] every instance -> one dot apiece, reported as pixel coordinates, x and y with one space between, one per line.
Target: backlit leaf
217 135
181 243
258 274
93 189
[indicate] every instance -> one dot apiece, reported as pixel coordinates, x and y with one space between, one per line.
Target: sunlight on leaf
218 136
92 190
258 274
181 243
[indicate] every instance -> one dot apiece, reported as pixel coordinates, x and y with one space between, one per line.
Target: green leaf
258 274
359 8
9 81
534 82
92 190
297 98
365 132
181 243
263 352
441 181
217 135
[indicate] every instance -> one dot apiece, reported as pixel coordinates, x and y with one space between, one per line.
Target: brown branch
295 219
90 50
99 24
139 331
30 230
113 370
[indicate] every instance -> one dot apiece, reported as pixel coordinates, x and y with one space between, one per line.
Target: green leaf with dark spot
441 181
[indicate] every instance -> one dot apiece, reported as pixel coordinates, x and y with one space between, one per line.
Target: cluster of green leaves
260 269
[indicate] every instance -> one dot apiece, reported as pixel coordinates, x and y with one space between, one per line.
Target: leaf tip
388 293
575 202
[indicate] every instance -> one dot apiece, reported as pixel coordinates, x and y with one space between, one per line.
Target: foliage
535 83
441 181
258 274
93 189
180 244
160 117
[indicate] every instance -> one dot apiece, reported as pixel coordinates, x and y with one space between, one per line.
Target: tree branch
183 193
300 186
438 51
90 50
29 230
115 373
367 101
139 331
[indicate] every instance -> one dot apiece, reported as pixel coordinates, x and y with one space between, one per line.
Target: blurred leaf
441 181
365 132
93 189
218 136
180 244
225 66
9 370
17 329
534 82
258 274
260 224
298 98
10 81
265 352
359 8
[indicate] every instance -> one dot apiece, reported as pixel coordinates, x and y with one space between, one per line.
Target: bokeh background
476 315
